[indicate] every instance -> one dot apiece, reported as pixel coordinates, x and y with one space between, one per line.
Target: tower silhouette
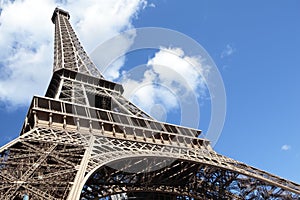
84 140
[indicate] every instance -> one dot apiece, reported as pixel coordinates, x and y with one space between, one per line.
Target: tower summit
84 140
57 12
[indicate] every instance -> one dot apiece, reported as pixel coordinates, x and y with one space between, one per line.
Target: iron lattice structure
84 140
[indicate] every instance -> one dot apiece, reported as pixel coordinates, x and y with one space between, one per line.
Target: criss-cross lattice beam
41 169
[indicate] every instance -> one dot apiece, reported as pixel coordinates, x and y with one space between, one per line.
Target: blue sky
254 44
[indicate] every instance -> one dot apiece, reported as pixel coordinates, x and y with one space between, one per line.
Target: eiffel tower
84 140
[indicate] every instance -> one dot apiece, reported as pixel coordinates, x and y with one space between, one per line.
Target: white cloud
149 92
119 45
170 78
286 147
98 20
26 39
229 50
173 67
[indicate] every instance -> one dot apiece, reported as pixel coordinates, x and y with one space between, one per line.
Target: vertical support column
76 188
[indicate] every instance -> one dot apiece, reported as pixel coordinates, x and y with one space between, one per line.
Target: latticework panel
39 168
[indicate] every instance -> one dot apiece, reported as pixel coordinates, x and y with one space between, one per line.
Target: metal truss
40 169
84 140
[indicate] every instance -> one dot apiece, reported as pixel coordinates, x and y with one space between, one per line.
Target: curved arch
180 178
135 154
208 180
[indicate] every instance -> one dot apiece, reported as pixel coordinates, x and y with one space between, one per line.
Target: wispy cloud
229 50
286 147
152 5
26 39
